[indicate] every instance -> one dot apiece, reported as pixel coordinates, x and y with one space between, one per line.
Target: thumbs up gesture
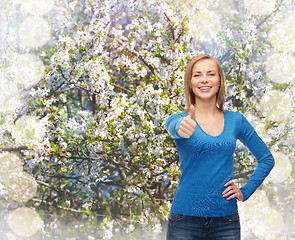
188 124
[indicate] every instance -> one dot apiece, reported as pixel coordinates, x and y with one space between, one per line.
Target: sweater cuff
248 190
177 125
173 128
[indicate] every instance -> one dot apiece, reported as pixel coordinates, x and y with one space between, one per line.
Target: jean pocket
174 217
233 217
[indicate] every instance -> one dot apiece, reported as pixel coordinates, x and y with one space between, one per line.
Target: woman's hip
183 227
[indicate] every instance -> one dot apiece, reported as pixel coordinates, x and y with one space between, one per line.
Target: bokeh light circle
24 221
27 69
9 164
34 32
21 186
268 225
258 125
280 68
256 205
275 105
282 35
205 25
36 7
260 7
265 220
282 169
9 94
29 130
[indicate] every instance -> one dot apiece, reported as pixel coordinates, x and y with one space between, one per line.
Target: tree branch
243 175
12 149
268 16
121 42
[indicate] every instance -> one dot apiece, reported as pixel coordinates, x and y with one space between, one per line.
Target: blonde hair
188 92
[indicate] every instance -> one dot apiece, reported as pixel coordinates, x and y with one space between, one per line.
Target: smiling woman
205 79
196 68
205 204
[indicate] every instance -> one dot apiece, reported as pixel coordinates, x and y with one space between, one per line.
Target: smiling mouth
205 88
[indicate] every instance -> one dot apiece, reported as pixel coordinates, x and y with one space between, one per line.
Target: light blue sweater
207 163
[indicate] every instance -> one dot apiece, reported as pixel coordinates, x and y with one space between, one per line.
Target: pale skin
205 83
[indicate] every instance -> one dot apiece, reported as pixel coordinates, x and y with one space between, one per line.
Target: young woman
205 204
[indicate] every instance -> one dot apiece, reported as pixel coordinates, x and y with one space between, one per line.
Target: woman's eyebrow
207 71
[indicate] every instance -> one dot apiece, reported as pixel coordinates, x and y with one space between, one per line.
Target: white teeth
205 88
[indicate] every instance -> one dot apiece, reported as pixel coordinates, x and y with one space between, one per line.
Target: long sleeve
258 148
172 124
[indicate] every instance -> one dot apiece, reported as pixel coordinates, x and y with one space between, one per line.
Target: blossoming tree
110 79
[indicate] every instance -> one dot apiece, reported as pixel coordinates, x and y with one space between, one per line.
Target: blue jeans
182 227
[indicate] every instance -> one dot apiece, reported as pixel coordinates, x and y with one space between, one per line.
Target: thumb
192 112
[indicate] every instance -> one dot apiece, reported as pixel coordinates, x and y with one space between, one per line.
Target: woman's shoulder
232 112
234 115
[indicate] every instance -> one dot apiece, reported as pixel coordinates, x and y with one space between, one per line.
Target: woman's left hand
232 191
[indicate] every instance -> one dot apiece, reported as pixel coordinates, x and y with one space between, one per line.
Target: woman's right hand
188 124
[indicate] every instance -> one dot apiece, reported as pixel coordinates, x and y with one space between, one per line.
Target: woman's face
205 79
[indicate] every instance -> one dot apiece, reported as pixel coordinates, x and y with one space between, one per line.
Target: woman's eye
197 75
211 75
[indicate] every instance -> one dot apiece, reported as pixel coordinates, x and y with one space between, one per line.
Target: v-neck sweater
207 163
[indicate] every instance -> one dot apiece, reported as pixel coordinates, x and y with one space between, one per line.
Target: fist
188 124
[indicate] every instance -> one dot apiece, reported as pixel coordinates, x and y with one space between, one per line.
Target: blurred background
86 86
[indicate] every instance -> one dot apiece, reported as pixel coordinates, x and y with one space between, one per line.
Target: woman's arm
258 148
172 124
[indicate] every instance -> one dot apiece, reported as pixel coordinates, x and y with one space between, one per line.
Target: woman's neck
206 108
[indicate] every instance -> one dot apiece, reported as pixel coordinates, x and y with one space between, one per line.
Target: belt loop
208 222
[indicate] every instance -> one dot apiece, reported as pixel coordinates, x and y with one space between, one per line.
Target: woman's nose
204 79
